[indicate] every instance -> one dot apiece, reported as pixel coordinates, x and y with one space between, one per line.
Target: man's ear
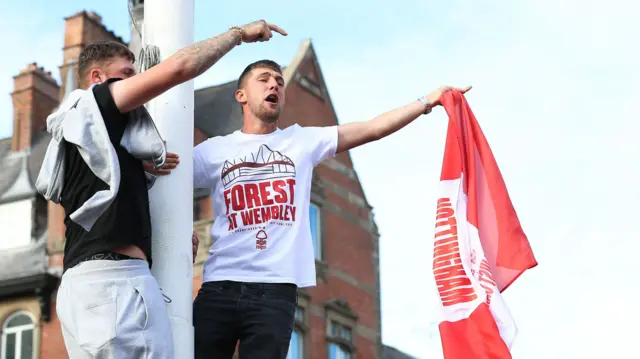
96 76
241 96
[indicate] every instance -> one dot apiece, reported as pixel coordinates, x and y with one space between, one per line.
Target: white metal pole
168 24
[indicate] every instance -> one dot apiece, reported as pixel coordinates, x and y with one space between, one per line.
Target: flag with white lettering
479 245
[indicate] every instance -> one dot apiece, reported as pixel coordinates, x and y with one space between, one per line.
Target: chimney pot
35 95
94 16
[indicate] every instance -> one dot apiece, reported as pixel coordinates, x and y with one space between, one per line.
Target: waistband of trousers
106 269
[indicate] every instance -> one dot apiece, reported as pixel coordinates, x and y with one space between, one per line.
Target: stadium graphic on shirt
264 164
259 192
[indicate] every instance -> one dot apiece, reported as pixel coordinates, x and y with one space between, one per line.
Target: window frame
18 331
197 209
318 198
347 353
346 345
338 312
319 257
300 324
301 336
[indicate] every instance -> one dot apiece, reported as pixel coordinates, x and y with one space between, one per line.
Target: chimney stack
95 17
80 30
34 96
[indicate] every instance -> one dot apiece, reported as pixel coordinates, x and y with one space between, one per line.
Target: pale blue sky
554 85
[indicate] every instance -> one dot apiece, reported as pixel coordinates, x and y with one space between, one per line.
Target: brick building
341 314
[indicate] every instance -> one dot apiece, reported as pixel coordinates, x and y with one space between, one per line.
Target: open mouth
272 98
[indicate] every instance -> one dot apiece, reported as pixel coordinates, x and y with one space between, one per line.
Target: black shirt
126 221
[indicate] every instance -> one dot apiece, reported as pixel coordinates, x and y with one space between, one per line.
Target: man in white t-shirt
261 249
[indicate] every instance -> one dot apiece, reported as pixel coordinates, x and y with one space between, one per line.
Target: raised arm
186 64
355 134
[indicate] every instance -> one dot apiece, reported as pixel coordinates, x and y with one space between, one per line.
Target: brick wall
34 96
80 30
206 204
52 346
350 238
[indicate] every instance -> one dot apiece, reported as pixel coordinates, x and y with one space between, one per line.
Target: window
18 336
341 320
316 230
40 213
296 345
196 209
16 220
336 351
340 331
340 335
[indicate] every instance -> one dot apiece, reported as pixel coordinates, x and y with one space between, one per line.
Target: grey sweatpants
113 310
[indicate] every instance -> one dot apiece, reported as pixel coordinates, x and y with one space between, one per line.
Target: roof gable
305 71
305 75
5 147
16 183
216 112
20 169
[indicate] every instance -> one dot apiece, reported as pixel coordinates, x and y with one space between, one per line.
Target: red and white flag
479 245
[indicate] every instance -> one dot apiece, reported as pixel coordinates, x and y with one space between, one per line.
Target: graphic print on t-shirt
259 189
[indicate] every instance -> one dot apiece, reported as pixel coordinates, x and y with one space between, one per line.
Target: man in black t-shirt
108 303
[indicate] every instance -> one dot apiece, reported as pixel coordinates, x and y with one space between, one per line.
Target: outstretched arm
356 134
185 65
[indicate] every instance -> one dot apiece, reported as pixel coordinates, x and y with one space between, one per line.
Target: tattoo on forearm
202 55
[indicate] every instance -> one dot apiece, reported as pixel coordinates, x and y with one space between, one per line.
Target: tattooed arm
185 65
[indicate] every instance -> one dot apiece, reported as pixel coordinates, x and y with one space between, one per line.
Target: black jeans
259 315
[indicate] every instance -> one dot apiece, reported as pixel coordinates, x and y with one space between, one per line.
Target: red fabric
489 207
476 337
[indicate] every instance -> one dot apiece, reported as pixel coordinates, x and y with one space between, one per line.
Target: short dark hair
102 51
258 64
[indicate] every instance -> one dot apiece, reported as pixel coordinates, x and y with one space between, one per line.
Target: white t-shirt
261 186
